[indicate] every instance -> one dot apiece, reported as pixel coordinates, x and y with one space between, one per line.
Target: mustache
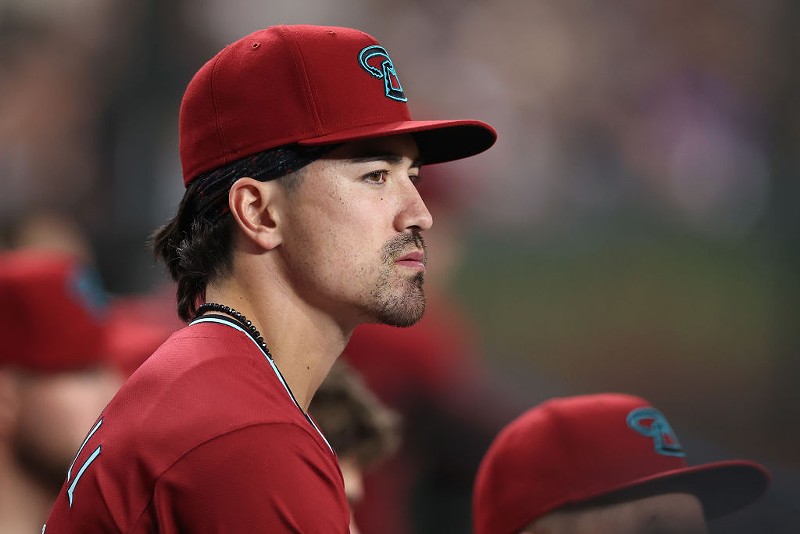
400 245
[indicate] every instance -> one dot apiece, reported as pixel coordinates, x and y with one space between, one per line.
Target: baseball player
603 463
58 369
300 220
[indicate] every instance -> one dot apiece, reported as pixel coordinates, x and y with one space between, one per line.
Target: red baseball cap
137 326
54 316
586 448
312 85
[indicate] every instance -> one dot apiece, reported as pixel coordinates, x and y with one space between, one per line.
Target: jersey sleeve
262 478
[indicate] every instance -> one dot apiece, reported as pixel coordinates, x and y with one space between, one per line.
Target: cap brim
438 141
722 487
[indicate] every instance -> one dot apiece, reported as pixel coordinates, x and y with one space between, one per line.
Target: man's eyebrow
394 159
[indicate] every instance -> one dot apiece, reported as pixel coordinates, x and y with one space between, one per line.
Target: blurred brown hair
353 420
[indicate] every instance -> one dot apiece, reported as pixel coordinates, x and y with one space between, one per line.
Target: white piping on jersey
271 363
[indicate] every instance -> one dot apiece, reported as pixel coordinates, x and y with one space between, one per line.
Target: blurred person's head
358 426
50 230
136 324
603 463
58 369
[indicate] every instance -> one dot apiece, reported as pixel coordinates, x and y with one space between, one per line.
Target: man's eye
377 177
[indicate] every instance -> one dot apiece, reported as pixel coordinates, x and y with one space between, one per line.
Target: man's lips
415 259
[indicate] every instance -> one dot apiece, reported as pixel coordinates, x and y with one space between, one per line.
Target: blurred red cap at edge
55 317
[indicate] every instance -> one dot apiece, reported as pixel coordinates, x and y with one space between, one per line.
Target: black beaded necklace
240 318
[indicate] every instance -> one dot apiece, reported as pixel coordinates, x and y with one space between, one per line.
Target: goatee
403 307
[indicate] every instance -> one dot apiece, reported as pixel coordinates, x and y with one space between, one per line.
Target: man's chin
402 322
407 312
401 306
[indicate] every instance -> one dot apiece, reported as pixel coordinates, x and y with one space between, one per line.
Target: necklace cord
246 323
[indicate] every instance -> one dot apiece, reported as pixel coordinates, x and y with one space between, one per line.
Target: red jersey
205 437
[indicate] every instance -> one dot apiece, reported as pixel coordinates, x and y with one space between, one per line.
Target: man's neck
304 343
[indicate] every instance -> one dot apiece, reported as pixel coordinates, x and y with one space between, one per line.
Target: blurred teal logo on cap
652 423
86 285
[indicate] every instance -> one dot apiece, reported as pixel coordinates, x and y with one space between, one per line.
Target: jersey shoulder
204 384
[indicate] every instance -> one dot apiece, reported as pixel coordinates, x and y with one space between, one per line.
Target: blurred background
635 228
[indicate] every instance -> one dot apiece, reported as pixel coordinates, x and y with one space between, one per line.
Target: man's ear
253 205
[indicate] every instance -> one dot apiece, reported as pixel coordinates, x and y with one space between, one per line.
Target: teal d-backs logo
375 60
652 423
